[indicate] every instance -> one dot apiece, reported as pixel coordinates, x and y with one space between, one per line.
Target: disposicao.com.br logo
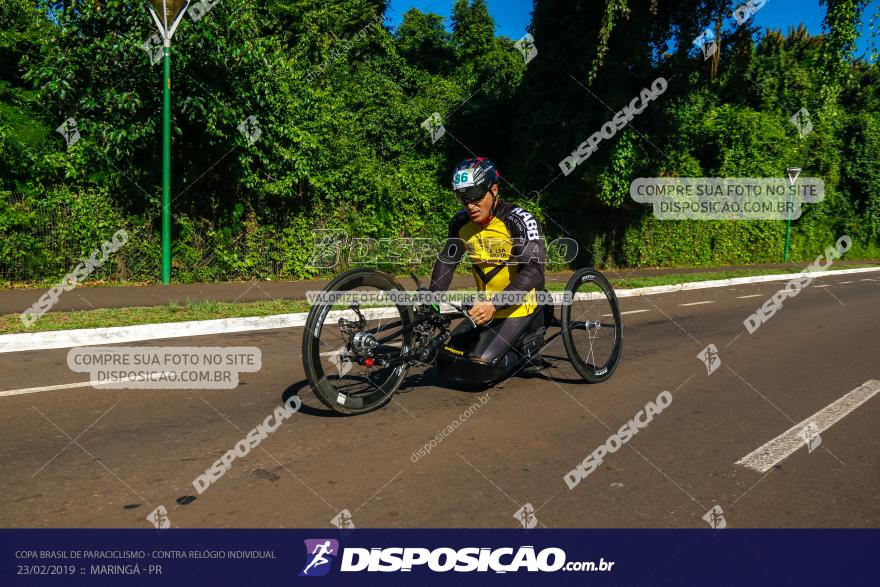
444 559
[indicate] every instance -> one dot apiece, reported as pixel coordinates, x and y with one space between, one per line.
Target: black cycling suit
506 254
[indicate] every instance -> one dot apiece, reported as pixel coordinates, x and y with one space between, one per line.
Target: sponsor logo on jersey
530 222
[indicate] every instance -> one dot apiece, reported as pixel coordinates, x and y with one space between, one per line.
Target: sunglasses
471 195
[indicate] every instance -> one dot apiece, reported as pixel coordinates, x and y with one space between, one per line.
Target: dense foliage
340 99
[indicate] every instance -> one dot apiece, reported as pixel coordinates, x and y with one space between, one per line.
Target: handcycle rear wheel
339 338
592 328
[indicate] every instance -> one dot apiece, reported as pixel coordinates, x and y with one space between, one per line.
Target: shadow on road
427 378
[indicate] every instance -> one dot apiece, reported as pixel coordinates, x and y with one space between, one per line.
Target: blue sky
512 16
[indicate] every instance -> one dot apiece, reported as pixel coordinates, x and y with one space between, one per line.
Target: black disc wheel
591 326
352 352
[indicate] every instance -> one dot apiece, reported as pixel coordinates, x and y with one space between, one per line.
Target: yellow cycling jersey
506 254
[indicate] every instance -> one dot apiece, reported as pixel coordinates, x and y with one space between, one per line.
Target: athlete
506 250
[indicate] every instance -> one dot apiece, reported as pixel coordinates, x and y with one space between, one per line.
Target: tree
425 43
473 29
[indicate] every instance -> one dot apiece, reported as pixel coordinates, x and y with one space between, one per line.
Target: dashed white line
749 296
845 282
774 452
62 386
823 285
45 388
698 303
628 312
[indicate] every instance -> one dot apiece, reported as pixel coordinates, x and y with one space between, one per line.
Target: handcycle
356 356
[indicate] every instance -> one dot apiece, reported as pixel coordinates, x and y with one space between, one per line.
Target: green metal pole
166 170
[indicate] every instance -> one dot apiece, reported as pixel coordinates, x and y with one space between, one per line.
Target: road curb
60 339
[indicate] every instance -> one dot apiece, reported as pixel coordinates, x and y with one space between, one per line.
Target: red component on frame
369 361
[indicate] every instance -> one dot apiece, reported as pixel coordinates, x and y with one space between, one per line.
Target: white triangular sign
793 174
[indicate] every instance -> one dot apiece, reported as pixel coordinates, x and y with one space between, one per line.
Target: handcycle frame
429 349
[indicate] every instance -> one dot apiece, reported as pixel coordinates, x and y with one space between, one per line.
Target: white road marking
845 282
823 285
698 303
628 312
56 387
750 296
774 452
46 388
867 280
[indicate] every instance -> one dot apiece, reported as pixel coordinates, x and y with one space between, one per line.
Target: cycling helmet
474 176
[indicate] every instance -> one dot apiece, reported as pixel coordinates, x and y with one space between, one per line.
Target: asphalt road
86 457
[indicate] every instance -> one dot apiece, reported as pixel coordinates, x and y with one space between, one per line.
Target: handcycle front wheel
352 355
592 329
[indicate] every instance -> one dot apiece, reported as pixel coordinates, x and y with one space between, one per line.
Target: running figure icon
318 553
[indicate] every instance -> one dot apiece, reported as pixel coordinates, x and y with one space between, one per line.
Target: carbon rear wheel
352 353
592 329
